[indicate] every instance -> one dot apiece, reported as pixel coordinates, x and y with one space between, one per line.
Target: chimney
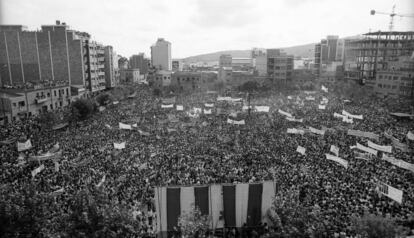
57 22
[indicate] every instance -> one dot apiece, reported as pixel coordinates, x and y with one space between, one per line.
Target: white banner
295 131
37 170
310 98
167 106
301 150
325 89
401 146
209 104
334 150
383 148
347 120
115 102
143 133
361 155
337 115
47 156
410 135
337 159
24 146
363 134
366 149
285 113
316 131
223 98
234 122
102 181
207 111
108 126
125 126
294 120
321 107
102 108
398 162
290 97
262 108
180 108
391 192
119 146
360 117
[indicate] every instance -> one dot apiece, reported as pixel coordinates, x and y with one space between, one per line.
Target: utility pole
248 101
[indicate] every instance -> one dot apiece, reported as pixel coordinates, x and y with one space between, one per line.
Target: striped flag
228 205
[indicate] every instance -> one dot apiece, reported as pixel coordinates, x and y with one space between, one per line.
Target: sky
203 26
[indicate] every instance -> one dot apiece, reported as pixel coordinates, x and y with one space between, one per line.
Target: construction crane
392 15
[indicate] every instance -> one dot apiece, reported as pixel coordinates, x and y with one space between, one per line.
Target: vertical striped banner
254 209
186 199
229 205
216 206
173 207
267 197
242 201
201 199
161 209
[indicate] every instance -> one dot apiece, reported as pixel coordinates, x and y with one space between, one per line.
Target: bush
103 99
249 86
82 109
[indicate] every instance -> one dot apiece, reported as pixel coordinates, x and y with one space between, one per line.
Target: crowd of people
167 147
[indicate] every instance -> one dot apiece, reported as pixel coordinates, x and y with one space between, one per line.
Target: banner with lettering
334 150
295 131
383 148
363 134
24 146
391 192
337 159
285 113
345 113
316 131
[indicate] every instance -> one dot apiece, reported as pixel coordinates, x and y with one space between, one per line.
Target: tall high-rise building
111 67
161 55
139 62
55 55
329 50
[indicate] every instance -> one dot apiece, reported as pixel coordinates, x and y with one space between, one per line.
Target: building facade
279 67
21 103
177 65
161 55
112 74
129 76
377 51
225 61
139 62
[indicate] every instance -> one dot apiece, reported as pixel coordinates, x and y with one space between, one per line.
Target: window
394 87
55 92
14 104
51 106
60 103
380 77
67 91
48 94
395 77
21 104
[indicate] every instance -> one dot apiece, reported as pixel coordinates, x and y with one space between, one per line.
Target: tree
373 226
103 99
193 223
157 92
249 86
47 119
82 109
291 218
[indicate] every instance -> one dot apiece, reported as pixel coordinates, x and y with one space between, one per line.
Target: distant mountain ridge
304 51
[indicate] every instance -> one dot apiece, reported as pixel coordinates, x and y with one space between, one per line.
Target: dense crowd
181 150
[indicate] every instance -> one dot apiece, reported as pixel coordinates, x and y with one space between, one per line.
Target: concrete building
161 55
177 65
279 67
55 55
260 61
112 74
398 81
160 79
129 76
225 61
377 51
95 62
16 104
139 62
327 51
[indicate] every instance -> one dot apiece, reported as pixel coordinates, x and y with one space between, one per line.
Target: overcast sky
203 26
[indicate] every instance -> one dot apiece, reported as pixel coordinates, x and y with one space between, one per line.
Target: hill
300 50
